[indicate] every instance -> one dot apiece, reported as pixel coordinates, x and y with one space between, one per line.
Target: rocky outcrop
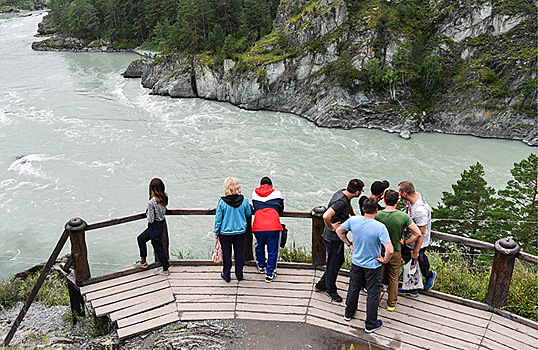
69 44
306 75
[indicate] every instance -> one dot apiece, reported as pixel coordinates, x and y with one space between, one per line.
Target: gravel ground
50 328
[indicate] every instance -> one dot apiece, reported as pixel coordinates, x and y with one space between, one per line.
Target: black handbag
283 236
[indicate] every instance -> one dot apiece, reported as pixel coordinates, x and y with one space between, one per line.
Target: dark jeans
335 260
226 242
359 278
423 261
154 233
271 239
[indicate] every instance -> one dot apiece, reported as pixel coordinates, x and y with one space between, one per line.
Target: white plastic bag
412 277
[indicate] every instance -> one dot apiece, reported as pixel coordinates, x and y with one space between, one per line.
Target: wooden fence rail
506 250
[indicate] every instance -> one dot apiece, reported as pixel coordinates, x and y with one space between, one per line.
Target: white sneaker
140 264
160 271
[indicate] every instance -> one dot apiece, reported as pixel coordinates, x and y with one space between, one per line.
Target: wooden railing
506 250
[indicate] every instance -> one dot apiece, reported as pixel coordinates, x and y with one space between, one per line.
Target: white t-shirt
421 213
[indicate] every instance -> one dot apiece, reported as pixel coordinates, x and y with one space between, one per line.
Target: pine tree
520 201
83 19
255 19
468 209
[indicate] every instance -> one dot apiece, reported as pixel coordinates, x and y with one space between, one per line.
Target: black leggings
154 233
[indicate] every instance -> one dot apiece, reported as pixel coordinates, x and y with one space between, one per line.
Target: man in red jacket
268 205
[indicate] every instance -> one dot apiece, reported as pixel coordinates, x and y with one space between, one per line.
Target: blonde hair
231 186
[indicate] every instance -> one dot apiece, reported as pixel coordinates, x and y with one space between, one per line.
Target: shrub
295 254
523 295
457 277
52 292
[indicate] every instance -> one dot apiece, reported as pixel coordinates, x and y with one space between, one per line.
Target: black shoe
224 278
334 296
377 326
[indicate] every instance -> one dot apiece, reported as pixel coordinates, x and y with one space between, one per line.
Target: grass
52 292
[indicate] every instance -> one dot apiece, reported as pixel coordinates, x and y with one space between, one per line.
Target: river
79 140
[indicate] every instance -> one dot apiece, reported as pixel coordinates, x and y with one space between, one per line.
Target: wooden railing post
166 243
506 250
79 252
77 235
248 252
318 248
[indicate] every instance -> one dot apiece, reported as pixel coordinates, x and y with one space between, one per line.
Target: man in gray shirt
420 211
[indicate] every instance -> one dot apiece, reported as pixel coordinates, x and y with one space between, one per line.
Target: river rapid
79 140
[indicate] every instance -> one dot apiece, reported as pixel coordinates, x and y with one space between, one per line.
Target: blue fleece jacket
232 220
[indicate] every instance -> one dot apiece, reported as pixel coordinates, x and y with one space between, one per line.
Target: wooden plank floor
141 301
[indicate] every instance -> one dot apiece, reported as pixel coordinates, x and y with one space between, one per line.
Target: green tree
83 19
380 77
161 34
520 201
216 39
255 19
468 209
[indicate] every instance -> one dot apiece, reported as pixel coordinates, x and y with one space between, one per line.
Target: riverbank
473 76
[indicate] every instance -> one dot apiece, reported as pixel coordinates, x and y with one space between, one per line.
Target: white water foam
31 165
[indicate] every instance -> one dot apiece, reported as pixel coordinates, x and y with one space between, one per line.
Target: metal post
318 248
506 250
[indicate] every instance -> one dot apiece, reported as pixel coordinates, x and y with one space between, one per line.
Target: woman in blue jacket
230 226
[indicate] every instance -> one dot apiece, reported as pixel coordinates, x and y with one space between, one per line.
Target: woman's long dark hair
156 189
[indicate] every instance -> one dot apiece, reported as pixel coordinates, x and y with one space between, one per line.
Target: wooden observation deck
138 300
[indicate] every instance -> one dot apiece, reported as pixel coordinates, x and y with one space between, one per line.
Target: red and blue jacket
268 205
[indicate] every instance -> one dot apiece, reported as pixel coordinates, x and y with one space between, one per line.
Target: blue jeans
237 242
272 240
358 279
154 233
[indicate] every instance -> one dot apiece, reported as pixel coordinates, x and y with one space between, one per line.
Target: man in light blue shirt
368 237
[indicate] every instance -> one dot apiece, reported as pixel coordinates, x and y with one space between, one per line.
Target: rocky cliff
315 64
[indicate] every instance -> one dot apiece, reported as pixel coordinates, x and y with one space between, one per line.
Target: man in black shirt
339 210
377 189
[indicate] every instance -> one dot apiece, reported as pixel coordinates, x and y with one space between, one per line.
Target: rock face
63 43
308 81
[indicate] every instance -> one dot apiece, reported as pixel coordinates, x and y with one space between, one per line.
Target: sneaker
334 297
430 281
160 271
346 318
140 264
261 269
318 289
391 308
377 326
409 292
269 278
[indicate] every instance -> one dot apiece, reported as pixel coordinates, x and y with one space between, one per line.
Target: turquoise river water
77 139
